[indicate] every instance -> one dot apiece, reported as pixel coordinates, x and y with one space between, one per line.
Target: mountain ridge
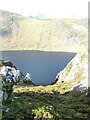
21 33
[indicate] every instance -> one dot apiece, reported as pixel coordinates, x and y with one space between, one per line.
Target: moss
37 103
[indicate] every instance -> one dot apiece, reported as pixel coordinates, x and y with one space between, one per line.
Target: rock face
75 75
11 76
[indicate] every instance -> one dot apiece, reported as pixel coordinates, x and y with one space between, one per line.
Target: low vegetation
35 103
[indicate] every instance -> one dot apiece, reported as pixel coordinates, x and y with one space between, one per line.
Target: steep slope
75 75
21 33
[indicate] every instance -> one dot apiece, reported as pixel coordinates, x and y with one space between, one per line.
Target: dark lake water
43 66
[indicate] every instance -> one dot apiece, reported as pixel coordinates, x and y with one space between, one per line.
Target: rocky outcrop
11 76
75 75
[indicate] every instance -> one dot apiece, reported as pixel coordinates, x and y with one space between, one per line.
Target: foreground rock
75 75
11 76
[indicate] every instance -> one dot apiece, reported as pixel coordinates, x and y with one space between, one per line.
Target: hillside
75 75
67 98
21 33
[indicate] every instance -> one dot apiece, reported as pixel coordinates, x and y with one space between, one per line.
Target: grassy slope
44 34
36 105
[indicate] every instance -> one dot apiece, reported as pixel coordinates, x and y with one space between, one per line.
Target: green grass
36 105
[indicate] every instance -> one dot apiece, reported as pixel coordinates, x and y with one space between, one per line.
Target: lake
42 65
